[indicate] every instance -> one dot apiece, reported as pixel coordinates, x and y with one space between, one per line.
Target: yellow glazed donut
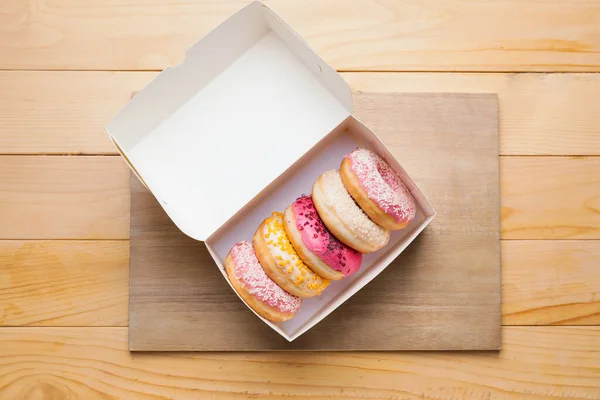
281 262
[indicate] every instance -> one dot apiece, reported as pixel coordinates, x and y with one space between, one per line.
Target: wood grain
365 35
93 363
57 112
543 282
62 112
546 281
441 293
540 114
64 197
550 282
64 283
88 197
550 197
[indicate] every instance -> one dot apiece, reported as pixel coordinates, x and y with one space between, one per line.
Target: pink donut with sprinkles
254 286
378 189
317 247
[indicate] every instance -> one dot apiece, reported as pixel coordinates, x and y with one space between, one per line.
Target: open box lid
249 100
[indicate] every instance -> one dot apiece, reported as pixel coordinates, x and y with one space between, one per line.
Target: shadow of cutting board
442 293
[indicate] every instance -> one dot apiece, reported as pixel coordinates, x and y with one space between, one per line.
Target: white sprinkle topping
249 271
353 216
383 185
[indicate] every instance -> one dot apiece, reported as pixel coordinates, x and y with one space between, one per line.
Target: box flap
249 99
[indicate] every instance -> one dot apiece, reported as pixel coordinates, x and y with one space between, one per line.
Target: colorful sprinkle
321 242
300 274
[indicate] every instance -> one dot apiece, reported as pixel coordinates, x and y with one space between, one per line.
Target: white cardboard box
241 128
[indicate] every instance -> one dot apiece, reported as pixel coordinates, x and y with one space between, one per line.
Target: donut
343 217
281 262
258 291
317 247
378 189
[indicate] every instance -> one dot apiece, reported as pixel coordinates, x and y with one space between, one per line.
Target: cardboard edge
122 153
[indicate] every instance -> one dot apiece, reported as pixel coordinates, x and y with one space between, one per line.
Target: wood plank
64 197
367 35
56 112
64 283
550 197
540 114
93 363
62 112
441 293
550 282
544 282
88 198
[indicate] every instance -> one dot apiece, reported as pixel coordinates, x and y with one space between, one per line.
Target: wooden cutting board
442 293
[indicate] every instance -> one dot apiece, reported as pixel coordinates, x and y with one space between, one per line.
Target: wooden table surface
67 66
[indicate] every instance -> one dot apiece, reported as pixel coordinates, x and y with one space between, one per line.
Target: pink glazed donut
378 189
317 247
256 288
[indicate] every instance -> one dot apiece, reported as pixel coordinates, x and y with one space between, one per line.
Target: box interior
249 99
298 180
